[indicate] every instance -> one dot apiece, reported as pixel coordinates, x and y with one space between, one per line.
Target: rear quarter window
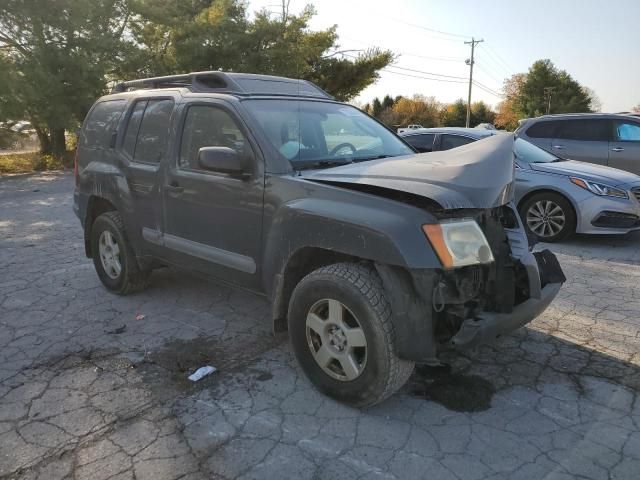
542 130
102 124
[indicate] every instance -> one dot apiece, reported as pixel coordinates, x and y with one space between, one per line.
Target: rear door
449 141
585 139
143 147
213 221
624 151
422 142
540 133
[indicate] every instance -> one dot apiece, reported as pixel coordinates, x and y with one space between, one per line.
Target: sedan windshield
528 152
317 134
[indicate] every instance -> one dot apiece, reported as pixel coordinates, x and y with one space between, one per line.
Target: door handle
558 147
617 149
174 188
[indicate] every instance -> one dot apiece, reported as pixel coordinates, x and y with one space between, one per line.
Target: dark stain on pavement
455 391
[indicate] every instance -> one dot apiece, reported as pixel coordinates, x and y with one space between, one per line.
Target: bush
28 162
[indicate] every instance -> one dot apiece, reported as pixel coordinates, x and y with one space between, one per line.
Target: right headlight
601 189
458 243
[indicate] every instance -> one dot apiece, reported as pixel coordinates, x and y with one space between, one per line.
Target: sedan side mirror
220 160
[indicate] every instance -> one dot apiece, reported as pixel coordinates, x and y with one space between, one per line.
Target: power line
497 62
487 72
386 69
428 73
487 89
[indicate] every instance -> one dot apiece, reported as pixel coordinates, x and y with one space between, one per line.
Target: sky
596 41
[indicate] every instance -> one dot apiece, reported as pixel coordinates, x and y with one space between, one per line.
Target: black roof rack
243 84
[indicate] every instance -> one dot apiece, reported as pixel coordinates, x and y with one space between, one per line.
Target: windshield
528 152
321 133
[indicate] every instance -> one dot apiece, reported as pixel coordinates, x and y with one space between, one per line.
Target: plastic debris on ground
201 373
140 316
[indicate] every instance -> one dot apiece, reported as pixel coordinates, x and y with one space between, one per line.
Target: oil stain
169 366
457 392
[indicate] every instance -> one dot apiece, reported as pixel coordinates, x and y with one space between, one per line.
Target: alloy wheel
109 251
546 218
336 340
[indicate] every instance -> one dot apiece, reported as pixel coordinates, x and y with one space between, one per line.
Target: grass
29 162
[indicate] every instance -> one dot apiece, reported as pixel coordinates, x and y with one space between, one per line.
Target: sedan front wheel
549 216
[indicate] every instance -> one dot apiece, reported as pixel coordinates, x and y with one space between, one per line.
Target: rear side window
423 143
584 130
102 124
131 135
153 132
542 130
627 132
453 141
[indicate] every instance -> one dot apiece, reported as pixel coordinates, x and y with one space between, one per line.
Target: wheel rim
546 218
336 340
109 251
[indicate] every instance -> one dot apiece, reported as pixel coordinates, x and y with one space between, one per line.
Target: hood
477 175
589 171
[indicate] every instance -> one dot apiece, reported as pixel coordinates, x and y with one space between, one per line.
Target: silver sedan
555 197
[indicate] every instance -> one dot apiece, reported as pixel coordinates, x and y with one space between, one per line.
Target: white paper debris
201 372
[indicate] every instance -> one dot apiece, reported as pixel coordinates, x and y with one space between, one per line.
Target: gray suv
605 139
372 258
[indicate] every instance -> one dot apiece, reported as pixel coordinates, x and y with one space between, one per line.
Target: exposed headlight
458 243
601 189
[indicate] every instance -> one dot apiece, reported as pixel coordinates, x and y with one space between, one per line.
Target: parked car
555 197
605 139
371 257
408 128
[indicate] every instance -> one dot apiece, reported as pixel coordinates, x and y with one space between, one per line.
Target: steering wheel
342 146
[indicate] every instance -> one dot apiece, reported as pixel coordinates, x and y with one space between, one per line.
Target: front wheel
549 216
343 337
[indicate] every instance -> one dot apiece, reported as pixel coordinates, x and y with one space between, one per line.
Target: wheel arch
96 206
302 262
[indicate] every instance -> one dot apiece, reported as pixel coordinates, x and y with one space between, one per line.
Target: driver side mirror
221 160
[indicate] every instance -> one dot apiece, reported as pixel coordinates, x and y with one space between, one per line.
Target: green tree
454 114
481 113
567 95
176 37
376 107
55 57
387 102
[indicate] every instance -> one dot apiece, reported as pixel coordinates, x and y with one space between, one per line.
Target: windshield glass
528 152
307 132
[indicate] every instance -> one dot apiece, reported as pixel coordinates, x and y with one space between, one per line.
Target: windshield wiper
375 157
322 162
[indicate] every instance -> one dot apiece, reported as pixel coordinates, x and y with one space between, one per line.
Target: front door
213 221
624 151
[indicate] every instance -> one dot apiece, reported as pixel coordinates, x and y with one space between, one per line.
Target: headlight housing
601 189
458 243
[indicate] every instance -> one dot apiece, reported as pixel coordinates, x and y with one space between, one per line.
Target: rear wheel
343 337
113 256
549 216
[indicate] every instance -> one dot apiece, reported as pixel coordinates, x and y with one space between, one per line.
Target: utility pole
547 96
470 62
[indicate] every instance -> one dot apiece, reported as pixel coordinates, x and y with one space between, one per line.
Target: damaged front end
470 305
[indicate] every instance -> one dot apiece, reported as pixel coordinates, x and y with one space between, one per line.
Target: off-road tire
359 288
132 278
567 209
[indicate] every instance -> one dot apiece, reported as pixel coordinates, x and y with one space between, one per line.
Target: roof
240 84
561 116
477 133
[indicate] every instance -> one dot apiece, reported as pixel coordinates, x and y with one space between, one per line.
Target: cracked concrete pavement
89 391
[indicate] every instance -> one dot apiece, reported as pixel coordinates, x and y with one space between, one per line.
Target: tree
567 95
376 107
454 114
387 102
55 59
508 112
176 37
415 110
